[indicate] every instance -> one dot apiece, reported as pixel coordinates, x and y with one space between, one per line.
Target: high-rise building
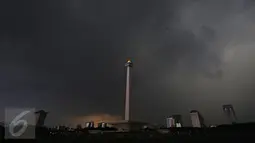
41 116
196 119
170 122
89 125
102 125
174 121
178 120
230 113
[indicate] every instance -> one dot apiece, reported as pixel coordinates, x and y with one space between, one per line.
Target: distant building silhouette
89 125
41 116
230 113
79 127
102 125
174 121
170 122
196 119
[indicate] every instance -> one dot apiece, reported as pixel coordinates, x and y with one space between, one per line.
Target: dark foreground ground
225 134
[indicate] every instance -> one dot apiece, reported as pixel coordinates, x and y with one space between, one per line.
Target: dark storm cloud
190 60
68 56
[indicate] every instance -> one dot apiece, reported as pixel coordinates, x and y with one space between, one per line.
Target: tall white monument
127 124
128 64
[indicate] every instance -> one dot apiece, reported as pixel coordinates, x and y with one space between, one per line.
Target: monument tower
127 124
128 64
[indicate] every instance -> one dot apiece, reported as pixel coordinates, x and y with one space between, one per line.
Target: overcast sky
67 57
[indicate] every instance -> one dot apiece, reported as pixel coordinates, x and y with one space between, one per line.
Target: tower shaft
127 94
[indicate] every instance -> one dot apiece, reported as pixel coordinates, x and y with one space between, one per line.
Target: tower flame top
129 63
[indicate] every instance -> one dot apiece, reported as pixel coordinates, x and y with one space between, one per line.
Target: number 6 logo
16 121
